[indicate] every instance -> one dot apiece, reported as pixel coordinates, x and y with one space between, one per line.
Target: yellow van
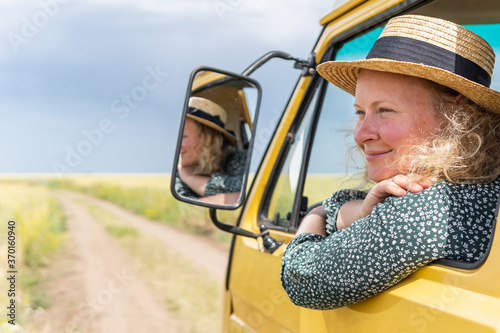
443 296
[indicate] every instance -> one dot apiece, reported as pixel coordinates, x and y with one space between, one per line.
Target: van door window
328 169
333 160
283 196
328 155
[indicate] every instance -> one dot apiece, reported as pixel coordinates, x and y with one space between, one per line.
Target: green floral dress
401 235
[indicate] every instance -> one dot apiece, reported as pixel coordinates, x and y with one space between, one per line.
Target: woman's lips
372 155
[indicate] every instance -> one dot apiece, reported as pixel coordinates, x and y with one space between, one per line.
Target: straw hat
429 48
210 114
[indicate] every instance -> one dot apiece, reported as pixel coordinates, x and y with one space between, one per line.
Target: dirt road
93 279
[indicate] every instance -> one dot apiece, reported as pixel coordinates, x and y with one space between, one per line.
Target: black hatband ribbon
203 115
416 51
214 119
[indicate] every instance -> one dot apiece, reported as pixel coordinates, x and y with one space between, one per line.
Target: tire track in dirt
197 249
93 288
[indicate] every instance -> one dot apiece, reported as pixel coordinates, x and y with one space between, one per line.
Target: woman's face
394 111
191 146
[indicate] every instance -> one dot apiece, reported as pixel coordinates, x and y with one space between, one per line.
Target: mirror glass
215 138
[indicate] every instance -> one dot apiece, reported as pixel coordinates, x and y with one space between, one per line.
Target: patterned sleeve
400 235
184 190
223 183
232 180
332 206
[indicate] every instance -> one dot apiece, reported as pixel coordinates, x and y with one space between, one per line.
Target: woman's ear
460 99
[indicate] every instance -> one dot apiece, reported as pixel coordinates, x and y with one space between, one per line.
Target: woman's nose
365 130
183 143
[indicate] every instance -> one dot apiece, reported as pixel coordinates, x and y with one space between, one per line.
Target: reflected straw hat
429 48
210 114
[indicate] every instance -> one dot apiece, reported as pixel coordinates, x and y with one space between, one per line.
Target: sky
98 86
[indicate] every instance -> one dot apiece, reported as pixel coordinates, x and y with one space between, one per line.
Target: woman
211 167
429 128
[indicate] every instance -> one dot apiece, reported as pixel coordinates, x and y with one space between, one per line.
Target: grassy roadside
182 287
148 196
39 231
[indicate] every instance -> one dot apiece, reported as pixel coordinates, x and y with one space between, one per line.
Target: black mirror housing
216 135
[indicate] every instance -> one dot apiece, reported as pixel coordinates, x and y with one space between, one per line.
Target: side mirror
216 134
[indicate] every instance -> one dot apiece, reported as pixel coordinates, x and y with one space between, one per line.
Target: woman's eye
359 113
384 110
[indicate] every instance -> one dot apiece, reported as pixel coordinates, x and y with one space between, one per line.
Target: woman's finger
411 183
388 187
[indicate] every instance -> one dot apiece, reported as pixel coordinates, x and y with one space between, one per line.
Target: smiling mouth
374 155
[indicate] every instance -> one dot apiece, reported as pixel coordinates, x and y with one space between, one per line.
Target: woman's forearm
314 222
222 198
348 213
196 183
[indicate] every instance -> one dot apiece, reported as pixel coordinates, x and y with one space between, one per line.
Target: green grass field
38 231
146 195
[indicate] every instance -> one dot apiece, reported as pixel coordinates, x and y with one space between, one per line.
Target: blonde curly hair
466 149
215 151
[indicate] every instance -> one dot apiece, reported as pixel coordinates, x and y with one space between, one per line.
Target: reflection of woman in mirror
211 167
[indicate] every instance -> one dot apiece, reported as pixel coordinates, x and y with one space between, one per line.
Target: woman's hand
398 186
184 172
